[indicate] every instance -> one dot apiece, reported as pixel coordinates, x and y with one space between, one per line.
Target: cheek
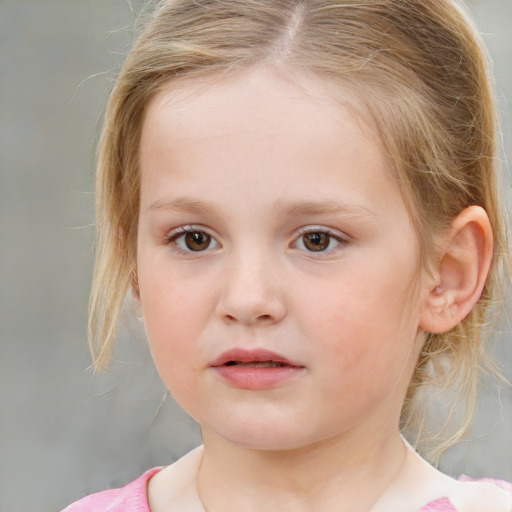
358 321
175 316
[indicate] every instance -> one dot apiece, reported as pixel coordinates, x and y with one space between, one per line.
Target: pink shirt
134 498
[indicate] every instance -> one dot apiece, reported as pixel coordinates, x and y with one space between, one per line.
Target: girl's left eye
318 241
192 240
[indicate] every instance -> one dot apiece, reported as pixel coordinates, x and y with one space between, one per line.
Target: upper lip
251 356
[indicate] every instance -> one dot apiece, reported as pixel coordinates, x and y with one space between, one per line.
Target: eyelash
173 238
313 230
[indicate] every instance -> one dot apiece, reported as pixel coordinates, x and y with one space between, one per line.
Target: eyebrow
326 208
290 209
181 204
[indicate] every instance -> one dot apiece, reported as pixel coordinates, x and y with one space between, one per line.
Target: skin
252 162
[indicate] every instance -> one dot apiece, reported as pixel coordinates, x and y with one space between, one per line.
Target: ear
462 269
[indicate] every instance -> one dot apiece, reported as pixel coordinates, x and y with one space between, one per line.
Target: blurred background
64 431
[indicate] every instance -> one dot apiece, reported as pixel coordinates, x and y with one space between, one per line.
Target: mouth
258 358
257 364
255 369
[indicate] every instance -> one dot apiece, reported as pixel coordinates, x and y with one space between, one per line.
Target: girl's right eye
189 239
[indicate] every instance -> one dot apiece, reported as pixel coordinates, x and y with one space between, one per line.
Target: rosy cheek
173 320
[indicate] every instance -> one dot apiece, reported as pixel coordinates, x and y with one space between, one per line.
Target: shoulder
174 488
132 497
447 494
483 495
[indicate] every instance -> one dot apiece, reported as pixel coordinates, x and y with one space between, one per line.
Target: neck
342 474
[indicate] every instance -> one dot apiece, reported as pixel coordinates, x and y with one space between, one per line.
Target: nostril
257 319
248 310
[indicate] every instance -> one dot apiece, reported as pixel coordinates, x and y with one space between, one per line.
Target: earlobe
462 270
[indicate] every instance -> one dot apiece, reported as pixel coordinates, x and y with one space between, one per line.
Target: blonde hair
418 67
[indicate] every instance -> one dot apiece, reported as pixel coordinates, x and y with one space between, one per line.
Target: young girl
302 195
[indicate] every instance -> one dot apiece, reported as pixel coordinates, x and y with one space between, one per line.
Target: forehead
260 128
288 97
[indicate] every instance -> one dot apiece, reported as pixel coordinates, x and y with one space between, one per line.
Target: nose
252 292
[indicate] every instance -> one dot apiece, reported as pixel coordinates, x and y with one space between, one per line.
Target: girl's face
275 260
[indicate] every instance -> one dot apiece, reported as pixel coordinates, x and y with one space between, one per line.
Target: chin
268 436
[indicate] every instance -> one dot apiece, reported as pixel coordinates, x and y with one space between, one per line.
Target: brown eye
319 239
189 239
197 240
316 242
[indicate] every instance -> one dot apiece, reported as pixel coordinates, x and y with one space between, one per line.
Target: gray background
65 432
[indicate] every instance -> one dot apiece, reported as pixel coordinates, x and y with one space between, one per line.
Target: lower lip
253 377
